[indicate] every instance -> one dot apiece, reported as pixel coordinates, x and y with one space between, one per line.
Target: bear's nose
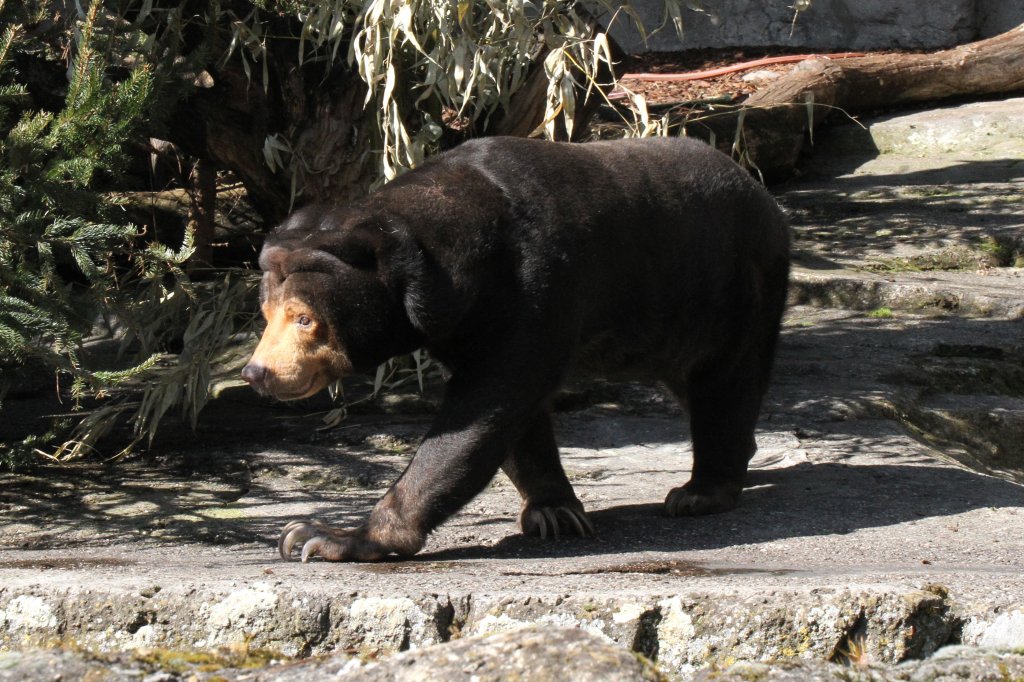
255 374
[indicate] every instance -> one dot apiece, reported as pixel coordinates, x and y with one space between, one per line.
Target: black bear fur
513 261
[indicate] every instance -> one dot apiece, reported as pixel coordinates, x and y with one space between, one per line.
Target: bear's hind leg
550 507
723 413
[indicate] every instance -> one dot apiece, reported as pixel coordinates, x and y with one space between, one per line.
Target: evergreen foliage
66 255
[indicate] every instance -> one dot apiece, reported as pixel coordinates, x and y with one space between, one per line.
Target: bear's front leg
444 474
481 414
383 534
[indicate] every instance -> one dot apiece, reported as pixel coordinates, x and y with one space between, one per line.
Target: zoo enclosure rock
531 653
825 25
685 630
918 204
62 665
538 654
953 664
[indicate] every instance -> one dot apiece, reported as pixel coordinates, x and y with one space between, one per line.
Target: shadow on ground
800 501
969 202
252 467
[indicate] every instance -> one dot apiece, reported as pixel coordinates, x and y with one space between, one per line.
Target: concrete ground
884 514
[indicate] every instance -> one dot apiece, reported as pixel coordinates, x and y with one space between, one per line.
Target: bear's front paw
332 544
699 499
555 520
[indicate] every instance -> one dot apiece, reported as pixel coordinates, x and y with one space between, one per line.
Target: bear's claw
687 501
555 521
332 544
298 533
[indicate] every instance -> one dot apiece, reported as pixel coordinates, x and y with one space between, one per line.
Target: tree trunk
771 126
317 112
202 215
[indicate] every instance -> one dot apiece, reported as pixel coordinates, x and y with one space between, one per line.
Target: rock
43 665
538 654
760 76
1000 631
952 664
963 663
849 24
791 671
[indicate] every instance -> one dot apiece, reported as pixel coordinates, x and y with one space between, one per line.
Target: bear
513 262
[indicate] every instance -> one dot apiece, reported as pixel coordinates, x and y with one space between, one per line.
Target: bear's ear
273 259
362 245
433 303
281 261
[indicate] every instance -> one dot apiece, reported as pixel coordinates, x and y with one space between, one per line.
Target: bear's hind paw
697 500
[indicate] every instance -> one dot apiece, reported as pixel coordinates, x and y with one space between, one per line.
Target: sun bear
512 262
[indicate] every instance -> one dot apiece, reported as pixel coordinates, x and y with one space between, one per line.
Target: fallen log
768 131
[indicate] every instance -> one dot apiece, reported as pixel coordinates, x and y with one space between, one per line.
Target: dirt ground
732 88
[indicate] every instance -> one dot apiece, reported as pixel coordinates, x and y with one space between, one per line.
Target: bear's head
331 300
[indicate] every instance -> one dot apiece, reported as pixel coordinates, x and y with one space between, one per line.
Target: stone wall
826 25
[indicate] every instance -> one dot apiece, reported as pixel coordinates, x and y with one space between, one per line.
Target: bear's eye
304 321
